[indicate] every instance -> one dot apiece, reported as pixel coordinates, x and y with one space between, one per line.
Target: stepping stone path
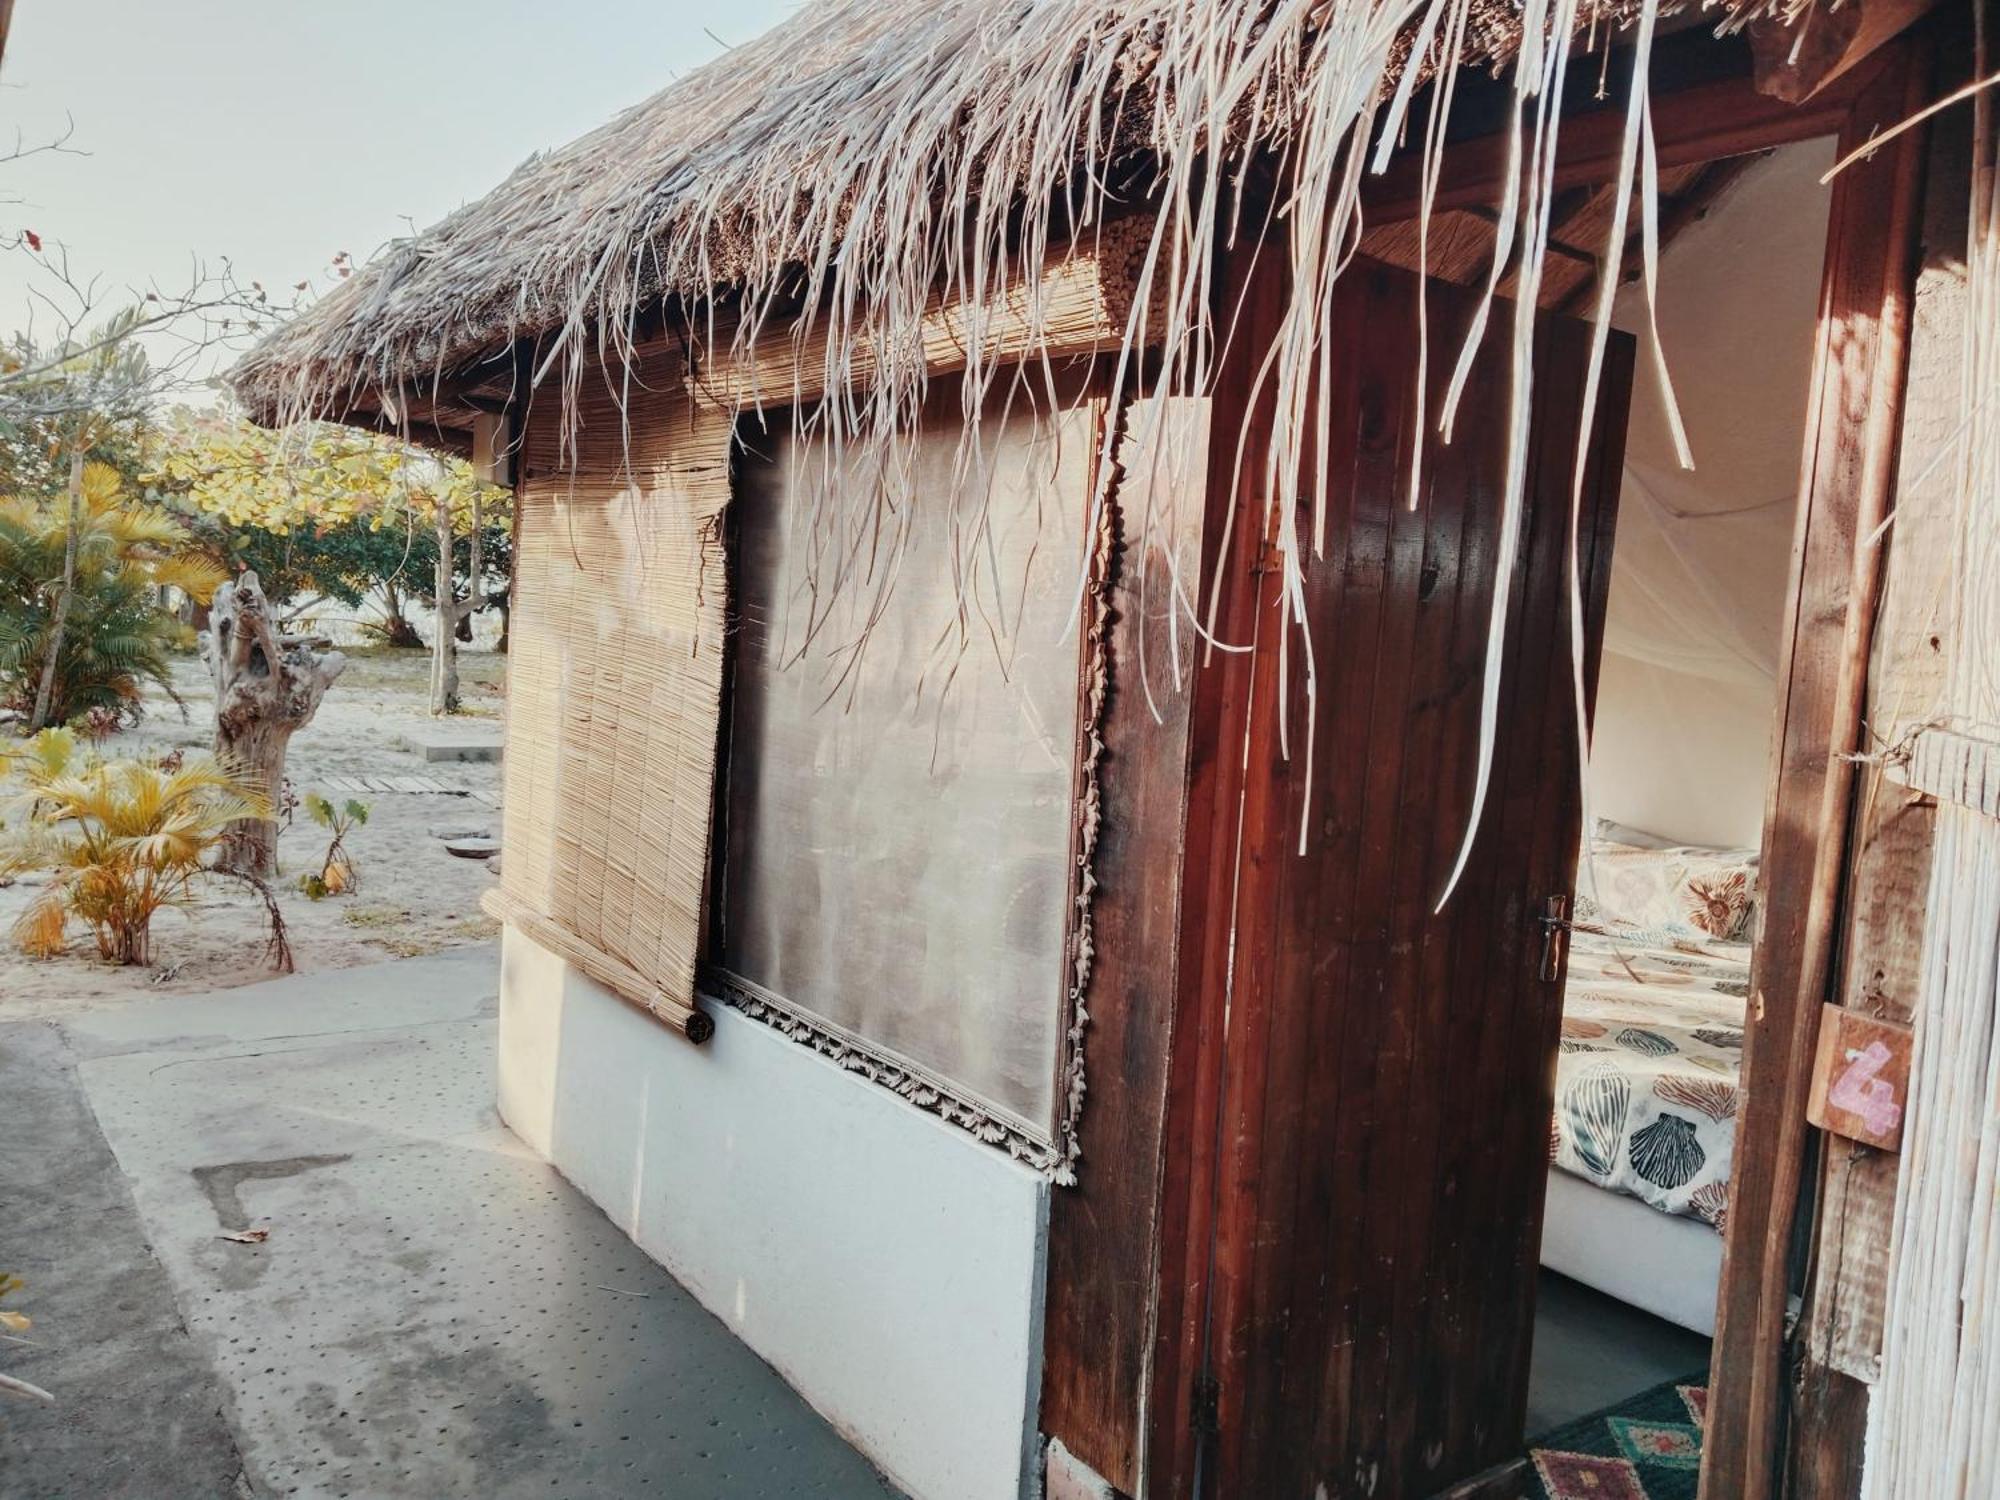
415 785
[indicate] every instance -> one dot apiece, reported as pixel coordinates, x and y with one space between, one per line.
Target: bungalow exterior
1063 548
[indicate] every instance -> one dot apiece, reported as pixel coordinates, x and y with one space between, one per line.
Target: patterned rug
1647 1448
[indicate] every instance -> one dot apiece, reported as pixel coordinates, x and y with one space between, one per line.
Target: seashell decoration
1594 1104
1714 1099
1650 1043
1579 1027
1710 1201
1720 1036
1666 1152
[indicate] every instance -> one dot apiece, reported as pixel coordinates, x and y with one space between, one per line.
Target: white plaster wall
888 1265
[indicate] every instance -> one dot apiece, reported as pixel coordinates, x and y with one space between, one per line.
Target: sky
276 133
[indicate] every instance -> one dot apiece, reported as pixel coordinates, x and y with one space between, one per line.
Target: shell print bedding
1646 1082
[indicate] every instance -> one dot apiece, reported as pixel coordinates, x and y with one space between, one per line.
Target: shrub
122 838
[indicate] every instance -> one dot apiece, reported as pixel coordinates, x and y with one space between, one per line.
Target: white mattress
1667 1265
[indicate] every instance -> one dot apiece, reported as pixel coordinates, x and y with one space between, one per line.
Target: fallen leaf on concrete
9 1386
248 1236
15 1322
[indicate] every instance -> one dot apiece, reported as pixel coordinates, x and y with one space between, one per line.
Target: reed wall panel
615 680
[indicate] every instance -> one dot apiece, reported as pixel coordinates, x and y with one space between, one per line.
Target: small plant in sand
11 1321
121 839
98 724
337 873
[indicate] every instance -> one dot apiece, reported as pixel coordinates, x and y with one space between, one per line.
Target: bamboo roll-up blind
614 686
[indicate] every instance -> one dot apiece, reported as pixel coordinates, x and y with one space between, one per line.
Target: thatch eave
750 163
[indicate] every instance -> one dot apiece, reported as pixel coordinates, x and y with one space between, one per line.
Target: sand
413 897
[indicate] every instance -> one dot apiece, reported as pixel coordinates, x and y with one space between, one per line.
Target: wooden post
1847 470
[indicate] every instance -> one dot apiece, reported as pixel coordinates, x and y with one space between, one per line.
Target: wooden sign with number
1861 1078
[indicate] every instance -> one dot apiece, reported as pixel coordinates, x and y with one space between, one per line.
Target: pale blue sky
277 132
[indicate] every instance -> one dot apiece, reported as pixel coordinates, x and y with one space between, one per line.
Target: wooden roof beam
1794 62
1692 125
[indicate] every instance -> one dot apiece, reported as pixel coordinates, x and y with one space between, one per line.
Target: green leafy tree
343 514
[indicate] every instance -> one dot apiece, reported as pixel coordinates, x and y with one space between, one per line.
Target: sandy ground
414 897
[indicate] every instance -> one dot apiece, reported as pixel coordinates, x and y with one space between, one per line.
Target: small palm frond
51 753
194 575
42 929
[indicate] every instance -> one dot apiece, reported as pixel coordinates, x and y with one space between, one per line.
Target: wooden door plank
1318 1297
1258 1388
1378 1064
1461 551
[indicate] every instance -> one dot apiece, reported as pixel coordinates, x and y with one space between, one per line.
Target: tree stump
267 687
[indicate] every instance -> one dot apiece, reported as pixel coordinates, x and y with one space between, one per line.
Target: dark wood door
1369 1109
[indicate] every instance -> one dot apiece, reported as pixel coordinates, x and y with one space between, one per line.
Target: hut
1069 553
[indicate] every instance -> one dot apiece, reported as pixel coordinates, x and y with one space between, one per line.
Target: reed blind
614 687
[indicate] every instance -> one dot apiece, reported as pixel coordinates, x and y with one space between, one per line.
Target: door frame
1847 477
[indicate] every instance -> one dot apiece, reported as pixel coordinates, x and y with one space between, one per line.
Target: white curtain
1698 579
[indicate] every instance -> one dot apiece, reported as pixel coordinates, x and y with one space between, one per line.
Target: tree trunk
444 650
396 627
474 570
267 687
46 691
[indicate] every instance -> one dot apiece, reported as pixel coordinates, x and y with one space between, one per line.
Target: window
896 816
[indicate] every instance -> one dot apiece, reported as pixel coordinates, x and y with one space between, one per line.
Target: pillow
1609 832
1705 894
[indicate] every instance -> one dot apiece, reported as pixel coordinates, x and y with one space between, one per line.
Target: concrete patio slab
434 1312
448 741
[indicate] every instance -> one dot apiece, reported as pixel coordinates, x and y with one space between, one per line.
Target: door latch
1555 937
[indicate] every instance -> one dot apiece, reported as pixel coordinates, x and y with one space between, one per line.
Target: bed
1647 1092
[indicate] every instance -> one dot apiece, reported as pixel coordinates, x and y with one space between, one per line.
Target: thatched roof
828 143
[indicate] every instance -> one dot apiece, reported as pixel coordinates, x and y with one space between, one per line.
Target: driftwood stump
267 687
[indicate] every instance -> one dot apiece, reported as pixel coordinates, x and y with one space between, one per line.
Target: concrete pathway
433 1312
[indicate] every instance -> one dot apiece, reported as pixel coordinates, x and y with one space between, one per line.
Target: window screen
896 814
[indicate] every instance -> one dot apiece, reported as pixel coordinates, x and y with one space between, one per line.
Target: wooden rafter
1677 212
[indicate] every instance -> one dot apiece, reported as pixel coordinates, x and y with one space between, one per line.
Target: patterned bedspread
1646 1086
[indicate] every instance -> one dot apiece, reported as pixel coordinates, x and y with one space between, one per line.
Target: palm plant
115 636
123 839
337 872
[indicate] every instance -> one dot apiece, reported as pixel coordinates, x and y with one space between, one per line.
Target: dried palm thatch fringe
828 184
1933 1413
